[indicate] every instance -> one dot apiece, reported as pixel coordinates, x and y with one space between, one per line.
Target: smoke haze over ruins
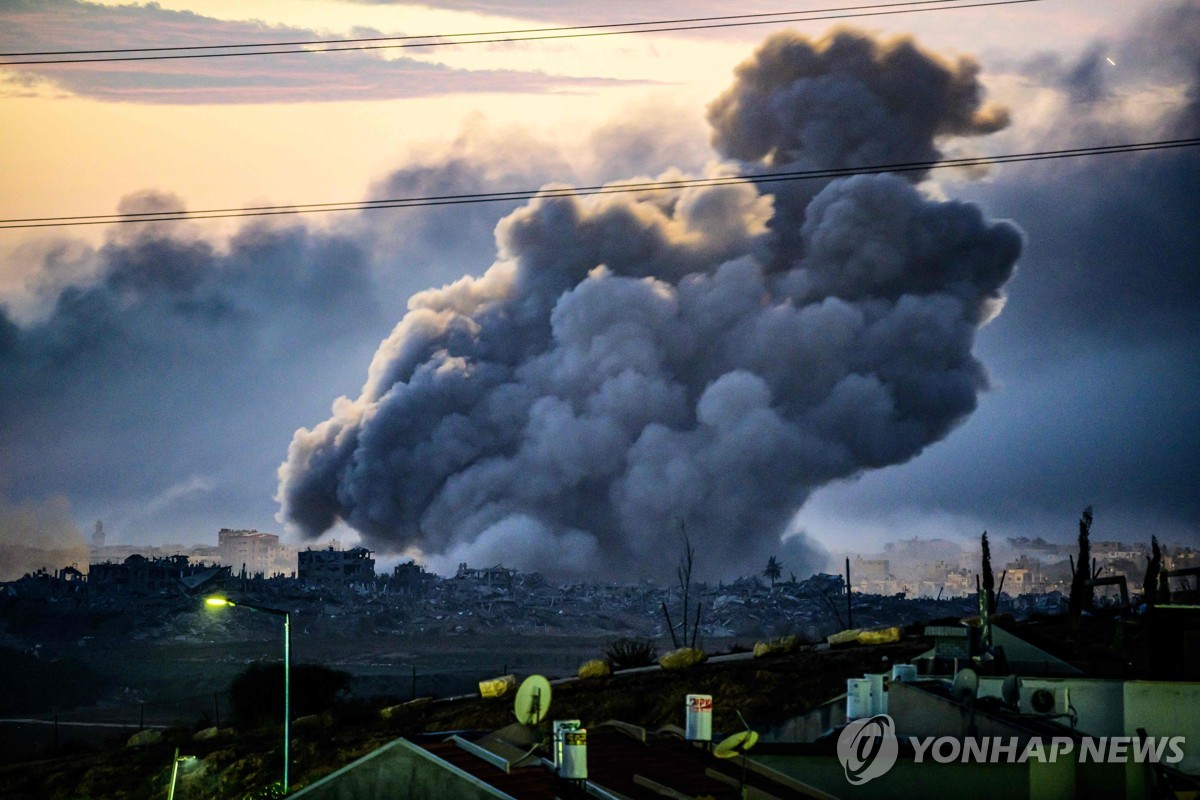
709 356
613 364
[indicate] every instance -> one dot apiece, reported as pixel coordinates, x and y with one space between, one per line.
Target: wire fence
46 734
52 733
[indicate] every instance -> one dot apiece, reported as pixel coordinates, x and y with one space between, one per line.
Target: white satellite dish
966 685
533 700
1010 690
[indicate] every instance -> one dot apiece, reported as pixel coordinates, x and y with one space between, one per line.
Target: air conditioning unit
1048 700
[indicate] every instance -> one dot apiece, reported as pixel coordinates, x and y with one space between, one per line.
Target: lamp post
220 602
175 762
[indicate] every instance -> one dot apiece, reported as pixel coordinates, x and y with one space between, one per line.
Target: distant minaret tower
98 535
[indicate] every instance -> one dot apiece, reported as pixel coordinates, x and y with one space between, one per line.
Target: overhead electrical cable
496 37
571 191
555 29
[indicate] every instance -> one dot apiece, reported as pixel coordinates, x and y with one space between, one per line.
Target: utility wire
555 29
525 35
572 191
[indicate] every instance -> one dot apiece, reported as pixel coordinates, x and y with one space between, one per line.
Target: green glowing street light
221 602
175 762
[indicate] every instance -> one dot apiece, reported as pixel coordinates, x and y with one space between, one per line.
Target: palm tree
773 570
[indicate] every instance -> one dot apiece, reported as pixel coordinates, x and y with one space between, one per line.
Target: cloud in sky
584 12
48 25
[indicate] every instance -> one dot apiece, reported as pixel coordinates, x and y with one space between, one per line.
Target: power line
570 191
508 36
474 33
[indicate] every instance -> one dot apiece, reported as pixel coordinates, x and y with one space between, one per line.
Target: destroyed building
333 569
496 577
257 553
43 584
138 575
411 579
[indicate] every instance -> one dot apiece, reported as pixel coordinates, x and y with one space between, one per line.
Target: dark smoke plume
840 102
847 100
712 356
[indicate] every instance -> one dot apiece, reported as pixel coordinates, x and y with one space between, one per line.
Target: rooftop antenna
966 686
1010 690
530 707
737 745
533 700
965 689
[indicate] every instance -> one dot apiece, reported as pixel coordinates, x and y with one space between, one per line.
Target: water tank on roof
574 756
699 718
858 698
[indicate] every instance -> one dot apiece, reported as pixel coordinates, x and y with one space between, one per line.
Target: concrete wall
1099 703
919 713
1052 781
1166 708
809 727
399 769
1027 659
909 780
1033 780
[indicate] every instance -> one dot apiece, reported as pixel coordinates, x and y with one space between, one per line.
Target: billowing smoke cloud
1097 350
134 376
848 100
633 361
841 102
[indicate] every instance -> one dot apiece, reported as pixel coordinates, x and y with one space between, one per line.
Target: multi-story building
411 579
257 553
336 568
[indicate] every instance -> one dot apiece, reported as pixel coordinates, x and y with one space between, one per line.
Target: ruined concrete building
497 577
336 568
411 579
142 576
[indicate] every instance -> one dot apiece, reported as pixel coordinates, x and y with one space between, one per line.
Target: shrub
256 695
34 685
627 653
272 792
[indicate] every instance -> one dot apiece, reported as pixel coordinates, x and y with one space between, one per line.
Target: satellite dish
1010 690
533 700
736 745
966 685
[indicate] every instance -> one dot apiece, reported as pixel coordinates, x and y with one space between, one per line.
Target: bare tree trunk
670 627
685 574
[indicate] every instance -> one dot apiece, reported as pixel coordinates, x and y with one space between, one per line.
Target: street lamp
175 762
221 602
